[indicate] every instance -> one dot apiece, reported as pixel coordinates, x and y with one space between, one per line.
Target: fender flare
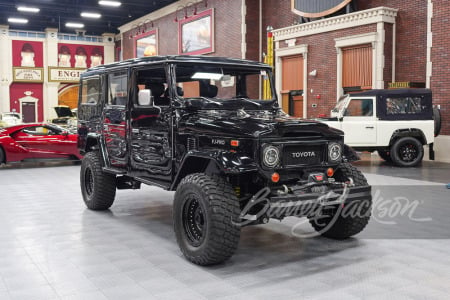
408 132
223 162
350 154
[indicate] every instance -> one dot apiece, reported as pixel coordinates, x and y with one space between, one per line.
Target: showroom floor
52 247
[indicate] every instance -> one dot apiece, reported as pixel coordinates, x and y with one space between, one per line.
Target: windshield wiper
211 101
249 101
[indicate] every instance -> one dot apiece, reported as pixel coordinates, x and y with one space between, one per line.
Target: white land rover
396 123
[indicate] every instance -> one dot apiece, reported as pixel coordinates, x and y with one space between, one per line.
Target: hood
254 126
63 111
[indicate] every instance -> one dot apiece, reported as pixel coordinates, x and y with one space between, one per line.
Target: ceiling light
90 15
28 9
110 3
17 20
74 25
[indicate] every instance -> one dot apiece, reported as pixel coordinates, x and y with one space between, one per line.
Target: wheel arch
214 162
408 132
2 149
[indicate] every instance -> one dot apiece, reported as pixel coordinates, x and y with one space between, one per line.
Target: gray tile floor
52 247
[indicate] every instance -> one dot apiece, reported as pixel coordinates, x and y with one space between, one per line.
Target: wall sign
196 34
66 75
24 74
318 8
146 44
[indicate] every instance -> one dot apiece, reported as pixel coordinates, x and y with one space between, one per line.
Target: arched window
27 54
80 58
64 57
96 57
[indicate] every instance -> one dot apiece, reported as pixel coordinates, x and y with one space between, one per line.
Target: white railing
61 36
27 34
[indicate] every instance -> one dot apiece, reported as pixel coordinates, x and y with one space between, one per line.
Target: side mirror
65 133
145 98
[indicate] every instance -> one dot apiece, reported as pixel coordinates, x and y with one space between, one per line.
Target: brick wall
322 56
411 39
252 37
227 15
440 79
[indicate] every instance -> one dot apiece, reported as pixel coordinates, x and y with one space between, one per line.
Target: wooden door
297 106
29 112
357 68
292 80
69 97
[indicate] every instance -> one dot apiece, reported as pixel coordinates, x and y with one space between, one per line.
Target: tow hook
283 192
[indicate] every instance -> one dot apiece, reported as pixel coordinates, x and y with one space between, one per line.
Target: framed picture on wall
146 44
196 33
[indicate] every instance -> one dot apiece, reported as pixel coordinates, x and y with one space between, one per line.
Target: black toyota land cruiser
198 126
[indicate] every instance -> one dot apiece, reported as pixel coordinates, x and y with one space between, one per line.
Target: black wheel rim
194 221
88 181
408 152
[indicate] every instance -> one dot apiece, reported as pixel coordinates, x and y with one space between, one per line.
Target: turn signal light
330 172
234 143
319 177
275 177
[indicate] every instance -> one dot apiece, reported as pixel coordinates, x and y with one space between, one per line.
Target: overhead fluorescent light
110 3
90 15
74 25
28 9
17 20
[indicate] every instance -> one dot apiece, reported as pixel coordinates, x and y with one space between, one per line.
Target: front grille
302 155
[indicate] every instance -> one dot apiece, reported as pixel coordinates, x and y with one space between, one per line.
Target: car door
359 122
150 128
114 123
44 141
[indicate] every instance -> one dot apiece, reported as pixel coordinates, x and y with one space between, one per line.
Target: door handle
369 127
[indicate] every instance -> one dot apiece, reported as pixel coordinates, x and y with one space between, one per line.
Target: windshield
223 82
11 115
340 105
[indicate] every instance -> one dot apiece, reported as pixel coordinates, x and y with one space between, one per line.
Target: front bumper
267 204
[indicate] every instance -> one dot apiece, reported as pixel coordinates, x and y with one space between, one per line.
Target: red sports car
34 141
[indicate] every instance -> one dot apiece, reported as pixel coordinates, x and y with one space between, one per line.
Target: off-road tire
337 222
407 152
97 187
2 156
210 200
437 121
385 155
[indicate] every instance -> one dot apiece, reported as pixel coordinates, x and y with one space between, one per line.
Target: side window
360 108
404 105
154 79
38 130
90 90
117 88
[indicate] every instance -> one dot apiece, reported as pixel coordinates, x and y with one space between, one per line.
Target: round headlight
271 156
334 151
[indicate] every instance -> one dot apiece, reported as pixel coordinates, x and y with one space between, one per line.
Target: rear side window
90 90
404 105
117 88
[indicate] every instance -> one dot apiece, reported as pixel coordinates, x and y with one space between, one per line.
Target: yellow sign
405 84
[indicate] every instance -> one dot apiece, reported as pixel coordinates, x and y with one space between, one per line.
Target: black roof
394 92
175 59
426 112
